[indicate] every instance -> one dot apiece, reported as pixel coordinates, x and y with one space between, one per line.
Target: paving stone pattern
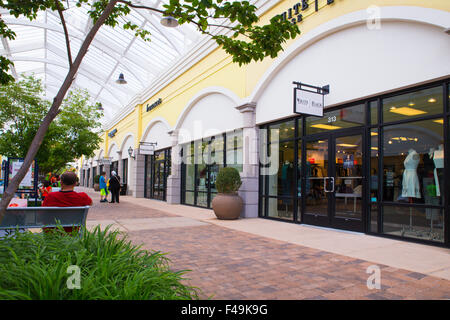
229 264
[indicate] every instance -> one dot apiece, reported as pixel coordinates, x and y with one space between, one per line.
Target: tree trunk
53 112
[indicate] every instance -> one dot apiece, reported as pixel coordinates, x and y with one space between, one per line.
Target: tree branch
163 12
53 112
66 33
129 3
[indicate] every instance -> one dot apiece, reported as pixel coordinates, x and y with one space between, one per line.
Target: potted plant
97 183
227 204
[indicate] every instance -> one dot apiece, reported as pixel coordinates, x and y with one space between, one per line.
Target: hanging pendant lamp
121 79
169 22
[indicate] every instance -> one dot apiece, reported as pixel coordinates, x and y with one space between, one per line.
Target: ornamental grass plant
35 266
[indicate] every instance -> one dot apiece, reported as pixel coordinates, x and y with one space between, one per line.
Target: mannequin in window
438 158
410 184
428 164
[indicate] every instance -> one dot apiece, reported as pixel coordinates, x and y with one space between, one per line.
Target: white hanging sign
307 102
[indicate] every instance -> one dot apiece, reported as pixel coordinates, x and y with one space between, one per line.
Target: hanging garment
410 184
438 158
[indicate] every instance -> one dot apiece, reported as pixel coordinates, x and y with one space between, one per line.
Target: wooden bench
40 217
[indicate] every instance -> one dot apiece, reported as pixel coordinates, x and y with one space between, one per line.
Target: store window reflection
374 155
414 222
348 117
282 184
420 103
413 162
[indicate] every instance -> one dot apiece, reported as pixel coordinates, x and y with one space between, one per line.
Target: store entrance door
334 180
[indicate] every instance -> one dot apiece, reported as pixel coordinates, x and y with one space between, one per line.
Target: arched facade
389 82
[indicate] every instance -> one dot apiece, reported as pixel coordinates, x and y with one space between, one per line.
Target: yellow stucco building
354 167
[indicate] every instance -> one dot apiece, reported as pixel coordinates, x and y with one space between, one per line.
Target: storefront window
202 160
414 222
286 130
387 170
413 162
282 183
234 150
373 107
281 208
338 119
374 218
299 180
374 156
417 104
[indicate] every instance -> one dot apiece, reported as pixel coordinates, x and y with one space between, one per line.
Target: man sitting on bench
67 197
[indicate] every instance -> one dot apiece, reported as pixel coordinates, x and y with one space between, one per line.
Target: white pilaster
174 180
249 175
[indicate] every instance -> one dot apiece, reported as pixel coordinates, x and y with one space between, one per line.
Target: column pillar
137 175
120 166
249 175
174 180
107 168
91 175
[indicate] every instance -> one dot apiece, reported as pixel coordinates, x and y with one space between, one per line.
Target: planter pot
96 187
227 206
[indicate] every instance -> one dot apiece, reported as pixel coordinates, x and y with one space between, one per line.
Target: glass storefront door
333 180
157 169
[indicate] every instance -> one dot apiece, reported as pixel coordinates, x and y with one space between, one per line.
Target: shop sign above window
309 99
112 133
295 14
154 104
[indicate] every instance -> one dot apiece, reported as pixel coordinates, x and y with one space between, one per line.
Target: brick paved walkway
229 264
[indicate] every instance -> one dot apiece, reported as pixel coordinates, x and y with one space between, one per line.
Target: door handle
325 184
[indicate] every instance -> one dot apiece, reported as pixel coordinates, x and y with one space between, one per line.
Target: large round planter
96 187
227 206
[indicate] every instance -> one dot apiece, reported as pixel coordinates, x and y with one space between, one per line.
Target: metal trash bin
123 189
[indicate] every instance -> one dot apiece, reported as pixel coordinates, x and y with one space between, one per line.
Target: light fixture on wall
121 79
130 153
169 22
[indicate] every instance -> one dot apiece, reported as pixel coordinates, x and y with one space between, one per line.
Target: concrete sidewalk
264 259
425 259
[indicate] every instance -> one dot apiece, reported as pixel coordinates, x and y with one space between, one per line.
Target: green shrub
228 180
35 266
97 178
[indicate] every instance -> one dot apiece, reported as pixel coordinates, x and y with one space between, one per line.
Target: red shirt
66 199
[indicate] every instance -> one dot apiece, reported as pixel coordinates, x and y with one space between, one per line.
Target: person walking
114 186
103 188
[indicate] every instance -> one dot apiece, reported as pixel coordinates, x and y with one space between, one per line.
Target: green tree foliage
244 41
73 133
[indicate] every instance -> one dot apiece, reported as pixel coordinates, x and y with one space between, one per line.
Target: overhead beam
9 56
100 43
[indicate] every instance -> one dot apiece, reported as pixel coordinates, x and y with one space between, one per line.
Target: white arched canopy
158 131
207 116
127 142
355 61
39 48
112 152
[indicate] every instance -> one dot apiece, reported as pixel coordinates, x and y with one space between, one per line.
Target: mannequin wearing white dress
438 158
410 184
